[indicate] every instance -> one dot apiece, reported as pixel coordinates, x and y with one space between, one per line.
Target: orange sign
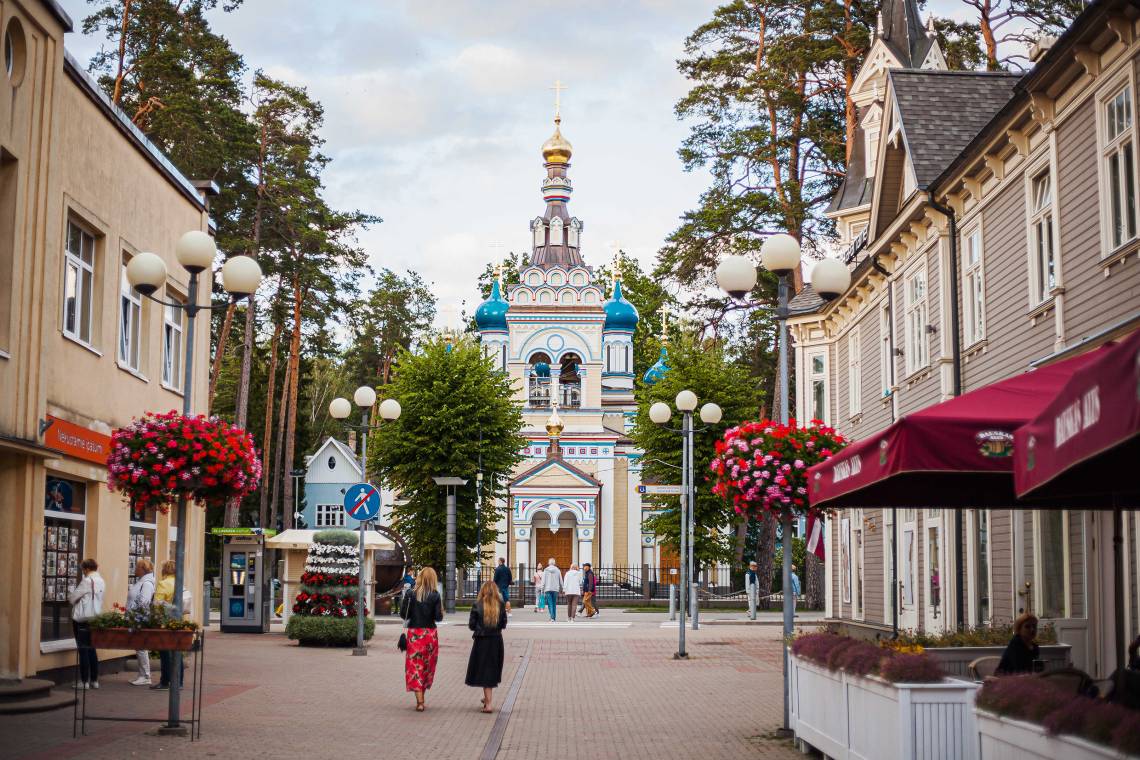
77 441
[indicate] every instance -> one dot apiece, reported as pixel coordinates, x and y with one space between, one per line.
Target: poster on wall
845 557
60 496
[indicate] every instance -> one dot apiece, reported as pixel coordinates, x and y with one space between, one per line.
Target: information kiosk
245 574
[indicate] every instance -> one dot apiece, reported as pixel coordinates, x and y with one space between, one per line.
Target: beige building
1037 174
81 191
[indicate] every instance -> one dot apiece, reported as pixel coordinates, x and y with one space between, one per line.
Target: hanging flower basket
153 639
159 457
761 467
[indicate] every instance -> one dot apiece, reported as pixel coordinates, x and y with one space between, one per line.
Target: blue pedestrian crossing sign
362 501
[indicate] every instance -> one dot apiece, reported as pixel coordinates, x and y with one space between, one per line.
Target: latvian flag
815 536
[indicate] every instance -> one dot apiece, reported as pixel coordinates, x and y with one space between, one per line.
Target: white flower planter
1008 739
867 718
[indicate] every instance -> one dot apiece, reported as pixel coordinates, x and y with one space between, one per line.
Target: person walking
589 590
487 621
539 597
164 597
504 579
87 602
795 586
551 585
422 608
572 587
140 596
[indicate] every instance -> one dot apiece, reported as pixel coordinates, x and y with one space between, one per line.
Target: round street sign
362 501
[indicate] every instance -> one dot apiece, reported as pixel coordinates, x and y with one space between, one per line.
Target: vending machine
245 576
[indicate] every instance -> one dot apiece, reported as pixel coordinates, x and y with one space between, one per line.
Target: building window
65 514
78 283
854 372
1119 160
917 347
330 515
130 320
817 377
981 567
1043 257
142 540
172 349
973 288
886 365
1051 563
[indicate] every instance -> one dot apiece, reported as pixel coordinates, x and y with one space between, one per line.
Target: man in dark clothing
589 590
504 580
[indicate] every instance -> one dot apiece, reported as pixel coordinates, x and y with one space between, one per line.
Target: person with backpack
87 602
504 579
140 597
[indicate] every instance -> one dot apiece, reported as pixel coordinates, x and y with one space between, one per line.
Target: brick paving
587 692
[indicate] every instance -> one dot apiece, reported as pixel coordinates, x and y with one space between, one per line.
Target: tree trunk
291 416
121 68
986 25
219 354
278 448
741 537
814 587
263 510
241 411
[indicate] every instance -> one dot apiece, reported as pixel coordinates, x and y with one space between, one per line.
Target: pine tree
324 612
458 411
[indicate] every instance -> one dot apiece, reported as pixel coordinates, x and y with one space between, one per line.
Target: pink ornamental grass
911 668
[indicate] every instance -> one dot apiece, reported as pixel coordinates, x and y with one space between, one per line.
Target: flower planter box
1003 738
144 638
956 660
849 716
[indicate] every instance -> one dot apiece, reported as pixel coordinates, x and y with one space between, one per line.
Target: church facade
566 339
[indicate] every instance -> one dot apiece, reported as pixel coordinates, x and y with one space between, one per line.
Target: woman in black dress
1022 650
488 619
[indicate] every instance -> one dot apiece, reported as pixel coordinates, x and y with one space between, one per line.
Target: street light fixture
146 272
340 409
780 254
660 413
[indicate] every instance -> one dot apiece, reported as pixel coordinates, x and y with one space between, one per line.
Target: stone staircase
32 695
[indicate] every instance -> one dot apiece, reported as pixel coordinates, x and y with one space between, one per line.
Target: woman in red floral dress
422 608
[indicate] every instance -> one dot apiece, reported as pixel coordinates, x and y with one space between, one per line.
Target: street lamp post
451 484
340 409
780 254
146 273
660 414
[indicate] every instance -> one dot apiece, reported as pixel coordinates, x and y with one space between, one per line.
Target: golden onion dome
554 425
557 149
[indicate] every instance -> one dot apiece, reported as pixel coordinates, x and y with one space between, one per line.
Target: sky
435 111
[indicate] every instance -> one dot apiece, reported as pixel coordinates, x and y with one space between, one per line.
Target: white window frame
75 265
917 320
130 318
872 125
1110 145
328 516
1041 231
854 372
973 287
814 378
173 334
1038 576
886 360
972 556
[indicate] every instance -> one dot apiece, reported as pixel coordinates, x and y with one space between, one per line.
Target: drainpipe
956 374
891 384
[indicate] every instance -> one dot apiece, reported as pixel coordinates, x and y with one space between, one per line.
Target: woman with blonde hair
140 596
422 608
488 619
1023 651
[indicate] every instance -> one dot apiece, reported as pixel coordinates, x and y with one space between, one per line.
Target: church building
566 339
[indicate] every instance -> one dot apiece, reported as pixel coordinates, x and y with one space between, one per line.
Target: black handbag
402 642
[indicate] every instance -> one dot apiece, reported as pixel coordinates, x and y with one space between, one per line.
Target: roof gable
345 469
555 473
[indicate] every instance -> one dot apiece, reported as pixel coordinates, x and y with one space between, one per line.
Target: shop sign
242 532
77 441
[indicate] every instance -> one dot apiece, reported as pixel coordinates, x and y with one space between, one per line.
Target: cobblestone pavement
585 691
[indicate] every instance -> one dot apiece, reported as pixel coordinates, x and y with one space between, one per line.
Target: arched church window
503 361
534 278
556 231
546 297
539 232
590 297
556 278
578 278
523 296
568 297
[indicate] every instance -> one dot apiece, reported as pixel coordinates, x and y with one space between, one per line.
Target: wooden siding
1092 301
1001 565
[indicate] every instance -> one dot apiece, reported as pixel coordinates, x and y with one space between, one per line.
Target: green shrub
981 636
336 537
326 631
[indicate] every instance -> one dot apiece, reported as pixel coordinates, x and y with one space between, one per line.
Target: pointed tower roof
903 32
492 313
620 313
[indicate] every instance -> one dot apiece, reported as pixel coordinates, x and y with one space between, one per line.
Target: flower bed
851 698
324 611
1043 720
152 628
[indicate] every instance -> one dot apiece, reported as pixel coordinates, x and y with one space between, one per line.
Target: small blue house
328 474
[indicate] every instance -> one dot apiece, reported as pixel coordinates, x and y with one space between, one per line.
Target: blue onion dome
658 370
492 313
542 369
620 313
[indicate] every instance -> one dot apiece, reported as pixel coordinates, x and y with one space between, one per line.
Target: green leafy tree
961 44
700 366
1007 26
458 412
649 295
397 314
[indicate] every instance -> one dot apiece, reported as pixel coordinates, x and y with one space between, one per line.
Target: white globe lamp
196 251
390 409
146 272
340 408
780 253
364 397
686 401
830 278
736 275
241 275
660 413
711 414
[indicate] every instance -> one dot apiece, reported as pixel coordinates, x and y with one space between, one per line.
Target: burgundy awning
1086 440
954 454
